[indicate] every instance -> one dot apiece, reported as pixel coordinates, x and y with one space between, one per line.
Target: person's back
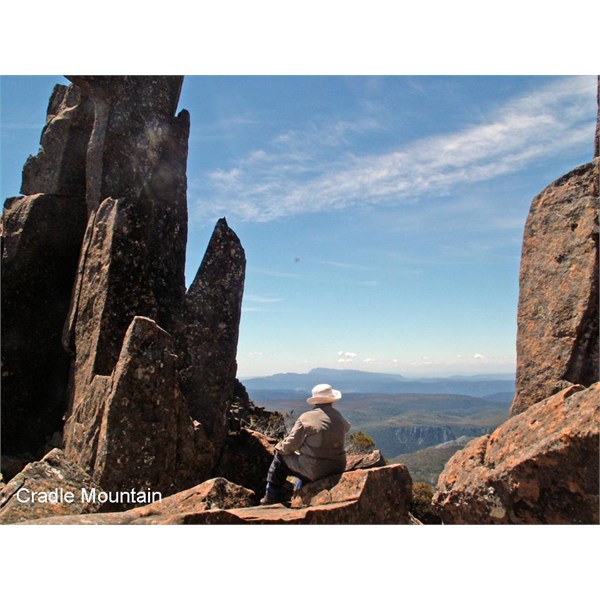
314 448
322 452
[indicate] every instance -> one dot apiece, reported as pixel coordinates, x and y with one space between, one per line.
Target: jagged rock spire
213 306
597 139
145 356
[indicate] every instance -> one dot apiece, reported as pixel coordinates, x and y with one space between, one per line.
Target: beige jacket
314 448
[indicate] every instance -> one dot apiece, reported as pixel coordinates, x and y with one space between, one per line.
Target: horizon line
511 373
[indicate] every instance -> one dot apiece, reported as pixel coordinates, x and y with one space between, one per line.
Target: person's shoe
272 496
266 499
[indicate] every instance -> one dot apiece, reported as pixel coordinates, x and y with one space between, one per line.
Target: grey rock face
134 430
211 320
54 474
140 410
133 122
59 167
40 246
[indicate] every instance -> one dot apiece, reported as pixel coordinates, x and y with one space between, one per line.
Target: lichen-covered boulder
212 495
540 466
134 429
557 336
46 488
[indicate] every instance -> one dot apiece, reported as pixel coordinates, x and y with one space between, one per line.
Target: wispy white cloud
346 357
261 299
299 174
224 127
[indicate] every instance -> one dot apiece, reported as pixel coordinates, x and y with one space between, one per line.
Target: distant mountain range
402 415
407 422
298 385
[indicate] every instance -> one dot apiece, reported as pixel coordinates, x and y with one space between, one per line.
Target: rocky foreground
106 355
540 466
379 495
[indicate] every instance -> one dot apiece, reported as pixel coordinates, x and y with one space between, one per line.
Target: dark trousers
278 471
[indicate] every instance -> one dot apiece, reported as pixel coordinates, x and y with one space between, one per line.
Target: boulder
246 458
381 495
373 496
540 466
364 461
557 337
49 487
114 285
134 429
212 495
41 240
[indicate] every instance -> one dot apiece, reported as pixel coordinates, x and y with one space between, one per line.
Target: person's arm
294 439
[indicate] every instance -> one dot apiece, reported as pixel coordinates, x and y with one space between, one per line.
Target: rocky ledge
538 467
380 495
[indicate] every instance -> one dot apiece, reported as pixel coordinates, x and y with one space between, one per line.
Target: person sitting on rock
314 448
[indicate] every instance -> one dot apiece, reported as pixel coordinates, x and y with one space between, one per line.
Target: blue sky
382 217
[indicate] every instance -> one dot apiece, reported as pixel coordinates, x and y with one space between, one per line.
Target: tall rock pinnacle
213 307
97 326
597 138
557 337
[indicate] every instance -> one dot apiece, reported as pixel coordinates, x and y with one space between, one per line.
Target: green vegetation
421 506
360 443
406 423
426 465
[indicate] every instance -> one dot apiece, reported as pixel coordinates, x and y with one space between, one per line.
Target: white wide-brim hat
324 394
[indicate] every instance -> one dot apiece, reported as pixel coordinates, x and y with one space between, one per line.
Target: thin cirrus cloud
261 299
296 175
257 303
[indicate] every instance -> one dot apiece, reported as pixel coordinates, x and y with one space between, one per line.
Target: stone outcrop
373 496
134 428
212 312
558 332
41 240
99 252
597 136
246 458
59 167
540 466
211 495
133 255
557 339
132 265
44 488
134 129
364 461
